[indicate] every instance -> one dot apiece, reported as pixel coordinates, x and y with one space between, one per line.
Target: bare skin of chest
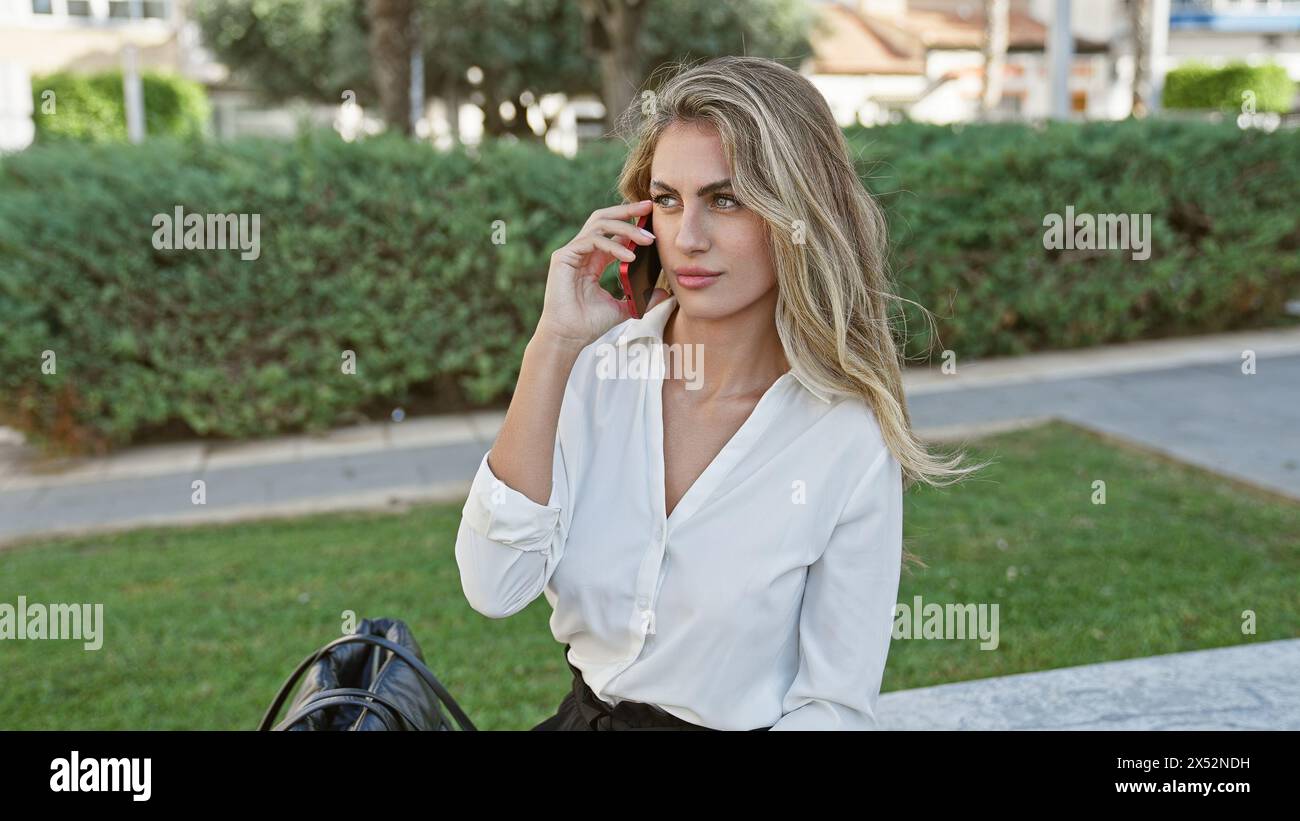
694 433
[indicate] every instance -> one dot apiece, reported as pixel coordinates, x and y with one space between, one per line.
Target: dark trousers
582 710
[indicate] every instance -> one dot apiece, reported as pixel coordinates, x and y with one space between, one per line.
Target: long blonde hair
827 234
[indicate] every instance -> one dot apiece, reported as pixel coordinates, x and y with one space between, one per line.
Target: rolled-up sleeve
508 545
847 614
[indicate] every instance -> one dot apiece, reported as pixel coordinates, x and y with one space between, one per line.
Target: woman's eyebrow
704 189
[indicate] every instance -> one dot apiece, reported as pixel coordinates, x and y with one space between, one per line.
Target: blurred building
44 36
1217 31
878 60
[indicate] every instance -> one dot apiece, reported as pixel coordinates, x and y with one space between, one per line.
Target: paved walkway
1210 415
1187 398
1252 687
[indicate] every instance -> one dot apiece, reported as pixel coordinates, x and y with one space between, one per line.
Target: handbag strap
402 652
404 722
336 697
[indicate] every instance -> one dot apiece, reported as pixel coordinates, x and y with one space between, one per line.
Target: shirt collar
652 324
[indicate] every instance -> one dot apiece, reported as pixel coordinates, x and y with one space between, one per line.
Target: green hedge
385 248
1199 86
92 108
966 207
382 247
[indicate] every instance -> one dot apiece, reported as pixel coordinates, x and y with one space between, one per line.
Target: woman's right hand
576 310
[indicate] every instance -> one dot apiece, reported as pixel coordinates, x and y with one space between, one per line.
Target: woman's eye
728 202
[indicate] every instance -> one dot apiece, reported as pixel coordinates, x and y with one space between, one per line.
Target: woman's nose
692 233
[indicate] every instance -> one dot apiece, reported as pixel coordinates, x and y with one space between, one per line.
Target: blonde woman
721 549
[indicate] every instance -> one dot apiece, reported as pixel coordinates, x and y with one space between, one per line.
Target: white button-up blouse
766 598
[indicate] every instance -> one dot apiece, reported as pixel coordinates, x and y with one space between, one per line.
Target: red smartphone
639 276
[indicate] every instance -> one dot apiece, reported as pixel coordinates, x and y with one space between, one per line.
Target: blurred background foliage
91 108
315 49
1199 86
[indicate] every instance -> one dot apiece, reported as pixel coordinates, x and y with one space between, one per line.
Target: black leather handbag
373 679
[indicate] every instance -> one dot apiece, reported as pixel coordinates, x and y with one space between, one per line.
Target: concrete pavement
1255 686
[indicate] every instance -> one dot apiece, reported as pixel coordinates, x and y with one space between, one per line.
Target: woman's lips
693 277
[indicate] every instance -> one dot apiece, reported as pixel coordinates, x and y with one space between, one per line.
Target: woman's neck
742 353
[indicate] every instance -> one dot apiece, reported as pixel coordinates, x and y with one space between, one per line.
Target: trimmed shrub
385 248
1199 86
967 207
92 108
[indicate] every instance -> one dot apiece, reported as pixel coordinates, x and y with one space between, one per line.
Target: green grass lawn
204 623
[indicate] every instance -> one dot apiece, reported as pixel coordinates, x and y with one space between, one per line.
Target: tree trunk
451 97
997 25
390 59
610 36
1140 25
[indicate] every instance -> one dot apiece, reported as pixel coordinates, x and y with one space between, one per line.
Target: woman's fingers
618 228
593 243
623 212
574 303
